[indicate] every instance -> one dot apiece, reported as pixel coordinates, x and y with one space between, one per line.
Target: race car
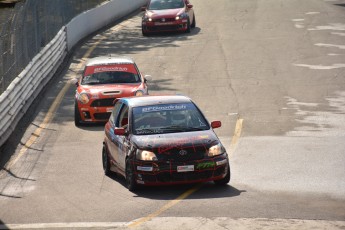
168 15
163 140
103 80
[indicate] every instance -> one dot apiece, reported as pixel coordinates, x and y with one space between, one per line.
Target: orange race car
103 80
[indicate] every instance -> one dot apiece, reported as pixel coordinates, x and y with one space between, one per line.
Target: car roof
108 60
155 100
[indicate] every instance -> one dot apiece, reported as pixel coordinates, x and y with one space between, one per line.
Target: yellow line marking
165 207
234 141
36 134
51 112
236 136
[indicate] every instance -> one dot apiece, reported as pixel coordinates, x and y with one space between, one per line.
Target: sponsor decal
145 168
110 69
222 162
163 108
205 165
185 168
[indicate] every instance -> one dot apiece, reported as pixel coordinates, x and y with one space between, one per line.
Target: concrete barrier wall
17 98
92 20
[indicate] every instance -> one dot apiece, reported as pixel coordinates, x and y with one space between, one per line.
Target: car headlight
139 93
145 155
181 16
83 98
147 19
216 150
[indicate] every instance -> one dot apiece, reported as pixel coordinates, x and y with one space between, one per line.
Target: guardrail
17 98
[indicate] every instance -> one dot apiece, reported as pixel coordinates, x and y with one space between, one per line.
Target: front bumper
95 114
171 172
171 26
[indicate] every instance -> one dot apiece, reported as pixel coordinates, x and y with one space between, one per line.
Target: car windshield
110 78
168 118
165 4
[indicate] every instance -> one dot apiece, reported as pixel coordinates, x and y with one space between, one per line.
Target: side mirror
143 8
216 124
120 131
147 78
189 6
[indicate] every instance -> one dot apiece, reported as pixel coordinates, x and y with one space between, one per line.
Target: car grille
166 20
101 116
106 102
167 176
164 28
182 155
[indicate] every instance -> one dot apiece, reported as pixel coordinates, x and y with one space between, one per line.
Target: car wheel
105 161
225 180
77 117
144 33
130 180
194 22
188 26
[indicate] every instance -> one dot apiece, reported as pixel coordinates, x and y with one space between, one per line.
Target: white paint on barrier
311 13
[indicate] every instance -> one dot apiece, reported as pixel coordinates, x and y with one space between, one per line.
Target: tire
144 33
105 161
188 26
224 180
194 22
130 180
77 117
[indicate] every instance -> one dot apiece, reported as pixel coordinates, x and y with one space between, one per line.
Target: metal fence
28 27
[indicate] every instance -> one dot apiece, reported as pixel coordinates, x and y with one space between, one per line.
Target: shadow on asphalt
207 190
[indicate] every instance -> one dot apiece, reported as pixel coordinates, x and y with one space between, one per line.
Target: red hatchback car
104 79
168 15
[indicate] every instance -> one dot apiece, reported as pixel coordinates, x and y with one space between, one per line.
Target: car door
121 142
110 134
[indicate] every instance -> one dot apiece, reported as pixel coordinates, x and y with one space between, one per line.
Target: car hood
164 13
109 89
161 143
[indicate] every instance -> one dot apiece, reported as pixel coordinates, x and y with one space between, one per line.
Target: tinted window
168 118
115 112
110 78
165 4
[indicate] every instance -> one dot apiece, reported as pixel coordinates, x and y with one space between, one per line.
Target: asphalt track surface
272 71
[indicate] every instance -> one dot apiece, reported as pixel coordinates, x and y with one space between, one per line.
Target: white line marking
299 26
331 45
331 26
321 67
65 225
340 34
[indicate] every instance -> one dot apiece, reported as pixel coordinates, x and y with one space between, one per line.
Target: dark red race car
168 15
159 140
